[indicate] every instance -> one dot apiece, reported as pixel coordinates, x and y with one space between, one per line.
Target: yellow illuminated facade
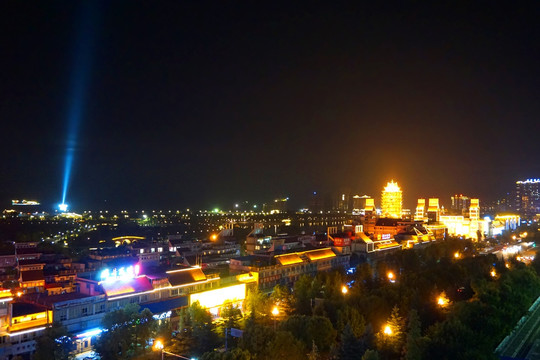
469 227
420 214
391 200
370 205
30 321
216 298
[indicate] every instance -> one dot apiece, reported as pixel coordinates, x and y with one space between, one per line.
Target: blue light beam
78 88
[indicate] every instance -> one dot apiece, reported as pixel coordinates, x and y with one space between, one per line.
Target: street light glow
344 289
275 311
158 345
442 300
387 330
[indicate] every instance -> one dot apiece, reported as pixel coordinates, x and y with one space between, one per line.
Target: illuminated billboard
216 298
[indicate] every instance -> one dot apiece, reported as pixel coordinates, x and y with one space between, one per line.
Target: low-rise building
287 268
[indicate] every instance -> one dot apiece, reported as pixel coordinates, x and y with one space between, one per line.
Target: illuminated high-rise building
280 205
460 204
369 206
420 214
474 210
434 210
527 202
391 200
359 202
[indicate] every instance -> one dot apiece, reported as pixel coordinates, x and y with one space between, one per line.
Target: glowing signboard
122 273
216 298
386 236
162 316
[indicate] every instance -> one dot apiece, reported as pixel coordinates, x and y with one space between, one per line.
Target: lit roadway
522 338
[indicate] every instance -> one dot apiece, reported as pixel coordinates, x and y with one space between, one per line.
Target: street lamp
344 289
387 330
158 346
275 312
442 300
391 277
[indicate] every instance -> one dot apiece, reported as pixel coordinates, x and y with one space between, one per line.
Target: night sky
204 104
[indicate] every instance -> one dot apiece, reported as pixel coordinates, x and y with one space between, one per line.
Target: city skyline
192 105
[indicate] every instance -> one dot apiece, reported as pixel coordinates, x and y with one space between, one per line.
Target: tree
303 295
126 333
144 327
255 338
390 338
412 349
364 276
285 346
314 353
235 354
197 331
311 328
350 347
256 303
54 343
370 355
351 316
281 297
230 315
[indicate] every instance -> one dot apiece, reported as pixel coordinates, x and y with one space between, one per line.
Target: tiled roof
289 259
185 276
320 254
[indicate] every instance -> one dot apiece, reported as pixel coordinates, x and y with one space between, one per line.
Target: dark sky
202 104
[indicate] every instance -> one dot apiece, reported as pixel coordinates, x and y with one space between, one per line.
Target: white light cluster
123 273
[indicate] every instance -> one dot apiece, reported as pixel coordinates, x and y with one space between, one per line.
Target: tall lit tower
391 200
527 202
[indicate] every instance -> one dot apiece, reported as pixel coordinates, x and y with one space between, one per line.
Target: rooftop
185 276
21 309
123 287
32 275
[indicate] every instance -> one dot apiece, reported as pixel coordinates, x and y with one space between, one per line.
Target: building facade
527 201
391 200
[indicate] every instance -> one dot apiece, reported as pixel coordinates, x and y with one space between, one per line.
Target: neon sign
162 316
122 273
386 236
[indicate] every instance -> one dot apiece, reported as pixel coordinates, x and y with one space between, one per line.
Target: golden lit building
433 212
391 200
470 227
420 214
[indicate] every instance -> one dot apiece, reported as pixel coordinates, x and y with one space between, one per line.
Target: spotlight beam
78 88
